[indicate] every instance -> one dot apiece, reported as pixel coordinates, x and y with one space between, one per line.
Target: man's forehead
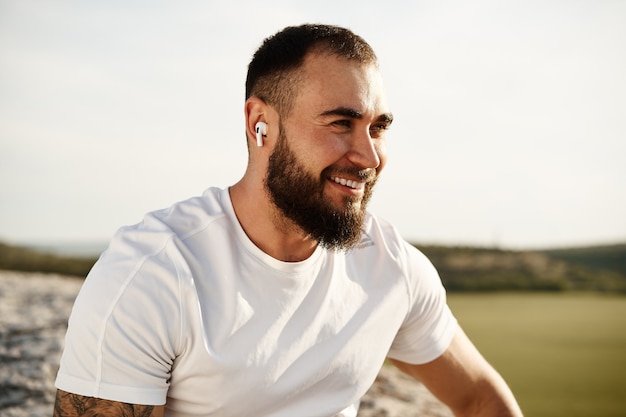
334 82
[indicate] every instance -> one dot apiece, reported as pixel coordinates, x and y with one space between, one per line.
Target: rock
34 309
395 394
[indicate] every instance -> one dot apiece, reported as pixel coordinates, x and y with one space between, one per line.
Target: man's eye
342 123
381 127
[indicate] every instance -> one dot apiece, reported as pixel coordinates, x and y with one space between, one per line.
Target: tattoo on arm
73 405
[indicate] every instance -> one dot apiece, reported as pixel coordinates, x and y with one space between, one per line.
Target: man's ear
256 112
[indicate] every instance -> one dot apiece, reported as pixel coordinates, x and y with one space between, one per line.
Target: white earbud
261 130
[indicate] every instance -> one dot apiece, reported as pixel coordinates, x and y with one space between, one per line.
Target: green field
562 354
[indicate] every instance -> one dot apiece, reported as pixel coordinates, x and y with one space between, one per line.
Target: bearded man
281 295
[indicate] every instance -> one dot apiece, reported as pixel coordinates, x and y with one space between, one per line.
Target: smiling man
281 295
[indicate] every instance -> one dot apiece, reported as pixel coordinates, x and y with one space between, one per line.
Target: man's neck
267 227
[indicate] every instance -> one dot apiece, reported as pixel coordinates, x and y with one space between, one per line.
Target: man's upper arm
74 405
462 379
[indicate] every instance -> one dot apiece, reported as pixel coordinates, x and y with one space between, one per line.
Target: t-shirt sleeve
124 328
430 325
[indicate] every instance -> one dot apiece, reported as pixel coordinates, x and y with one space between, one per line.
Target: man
281 295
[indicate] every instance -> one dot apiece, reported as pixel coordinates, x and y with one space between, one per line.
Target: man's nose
363 152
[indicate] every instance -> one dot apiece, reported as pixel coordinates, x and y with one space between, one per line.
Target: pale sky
510 116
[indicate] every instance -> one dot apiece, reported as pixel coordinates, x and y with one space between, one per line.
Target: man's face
300 196
330 150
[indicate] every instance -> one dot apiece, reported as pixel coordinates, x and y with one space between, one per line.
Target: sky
509 131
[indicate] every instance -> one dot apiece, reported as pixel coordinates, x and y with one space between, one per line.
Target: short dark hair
272 71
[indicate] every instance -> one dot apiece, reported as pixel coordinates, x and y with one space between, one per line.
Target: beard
300 197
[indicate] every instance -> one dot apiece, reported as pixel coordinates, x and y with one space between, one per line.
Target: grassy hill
28 260
597 268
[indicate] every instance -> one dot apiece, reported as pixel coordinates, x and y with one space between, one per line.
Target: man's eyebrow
355 114
344 111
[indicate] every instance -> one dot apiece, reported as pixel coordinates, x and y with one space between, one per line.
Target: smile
355 185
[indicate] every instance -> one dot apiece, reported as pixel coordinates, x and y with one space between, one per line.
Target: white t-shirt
184 310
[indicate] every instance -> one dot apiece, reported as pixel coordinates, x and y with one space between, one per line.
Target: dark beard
300 197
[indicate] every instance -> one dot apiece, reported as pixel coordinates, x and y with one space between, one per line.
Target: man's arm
463 380
73 405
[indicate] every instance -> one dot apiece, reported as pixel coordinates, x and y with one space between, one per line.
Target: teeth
348 183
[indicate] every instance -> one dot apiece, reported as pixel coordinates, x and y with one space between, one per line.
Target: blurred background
509 130
506 163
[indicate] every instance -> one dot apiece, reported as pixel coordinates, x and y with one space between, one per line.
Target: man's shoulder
378 231
192 211
380 238
184 217
178 222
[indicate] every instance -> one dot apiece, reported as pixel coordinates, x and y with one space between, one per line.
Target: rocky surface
33 317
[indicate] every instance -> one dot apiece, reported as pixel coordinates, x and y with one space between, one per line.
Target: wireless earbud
261 130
